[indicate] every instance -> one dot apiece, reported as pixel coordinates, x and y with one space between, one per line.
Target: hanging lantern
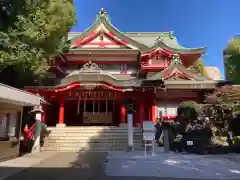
130 106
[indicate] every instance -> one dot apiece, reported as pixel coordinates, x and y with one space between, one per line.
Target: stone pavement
11 167
65 166
119 165
173 165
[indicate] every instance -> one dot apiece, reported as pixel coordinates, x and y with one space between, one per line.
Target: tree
188 110
32 33
199 67
226 97
232 60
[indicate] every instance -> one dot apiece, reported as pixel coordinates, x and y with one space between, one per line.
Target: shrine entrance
84 108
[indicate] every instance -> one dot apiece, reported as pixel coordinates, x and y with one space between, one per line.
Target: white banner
130 129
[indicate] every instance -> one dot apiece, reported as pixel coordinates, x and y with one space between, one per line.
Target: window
9 126
95 106
112 67
110 105
124 67
12 122
131 67
4 118
102 108
89 106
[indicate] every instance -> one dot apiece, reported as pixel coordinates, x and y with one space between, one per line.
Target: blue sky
196 23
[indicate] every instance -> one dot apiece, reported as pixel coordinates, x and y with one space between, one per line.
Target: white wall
9 115
168 109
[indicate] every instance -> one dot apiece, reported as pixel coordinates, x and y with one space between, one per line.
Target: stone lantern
37 110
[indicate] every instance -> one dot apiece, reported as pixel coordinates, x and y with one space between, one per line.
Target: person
189 127
207 129
158 131
194 124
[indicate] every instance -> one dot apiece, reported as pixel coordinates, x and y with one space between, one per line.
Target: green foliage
188 110
228 97
200 67
232 60
34 33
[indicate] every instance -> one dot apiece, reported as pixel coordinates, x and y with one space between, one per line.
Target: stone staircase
91 138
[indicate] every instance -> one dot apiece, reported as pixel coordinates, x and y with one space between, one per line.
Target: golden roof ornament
176 58
90 66
102 11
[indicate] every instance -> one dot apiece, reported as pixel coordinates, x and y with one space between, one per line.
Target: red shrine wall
167 102
76 107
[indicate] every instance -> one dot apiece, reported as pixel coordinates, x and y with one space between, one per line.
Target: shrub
188 110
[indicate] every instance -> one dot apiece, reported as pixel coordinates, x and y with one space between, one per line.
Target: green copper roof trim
169 41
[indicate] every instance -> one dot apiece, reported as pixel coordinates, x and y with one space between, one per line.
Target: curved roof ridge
103 18
177 64
168 41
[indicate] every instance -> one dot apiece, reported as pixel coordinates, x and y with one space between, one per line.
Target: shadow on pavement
62 166
78 163
83 164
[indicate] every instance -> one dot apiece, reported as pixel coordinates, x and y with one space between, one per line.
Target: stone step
93 137
90 127
94 131
92 145
89 148
90 142
69 149
66 129
67 144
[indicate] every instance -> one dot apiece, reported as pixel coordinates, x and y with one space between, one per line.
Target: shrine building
103 67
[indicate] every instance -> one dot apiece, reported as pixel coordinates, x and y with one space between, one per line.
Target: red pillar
149 110
153 113
123 114
61 113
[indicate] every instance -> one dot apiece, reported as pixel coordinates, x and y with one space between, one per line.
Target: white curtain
3 124
12 124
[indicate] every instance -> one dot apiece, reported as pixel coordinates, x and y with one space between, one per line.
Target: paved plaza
173 165
120 165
